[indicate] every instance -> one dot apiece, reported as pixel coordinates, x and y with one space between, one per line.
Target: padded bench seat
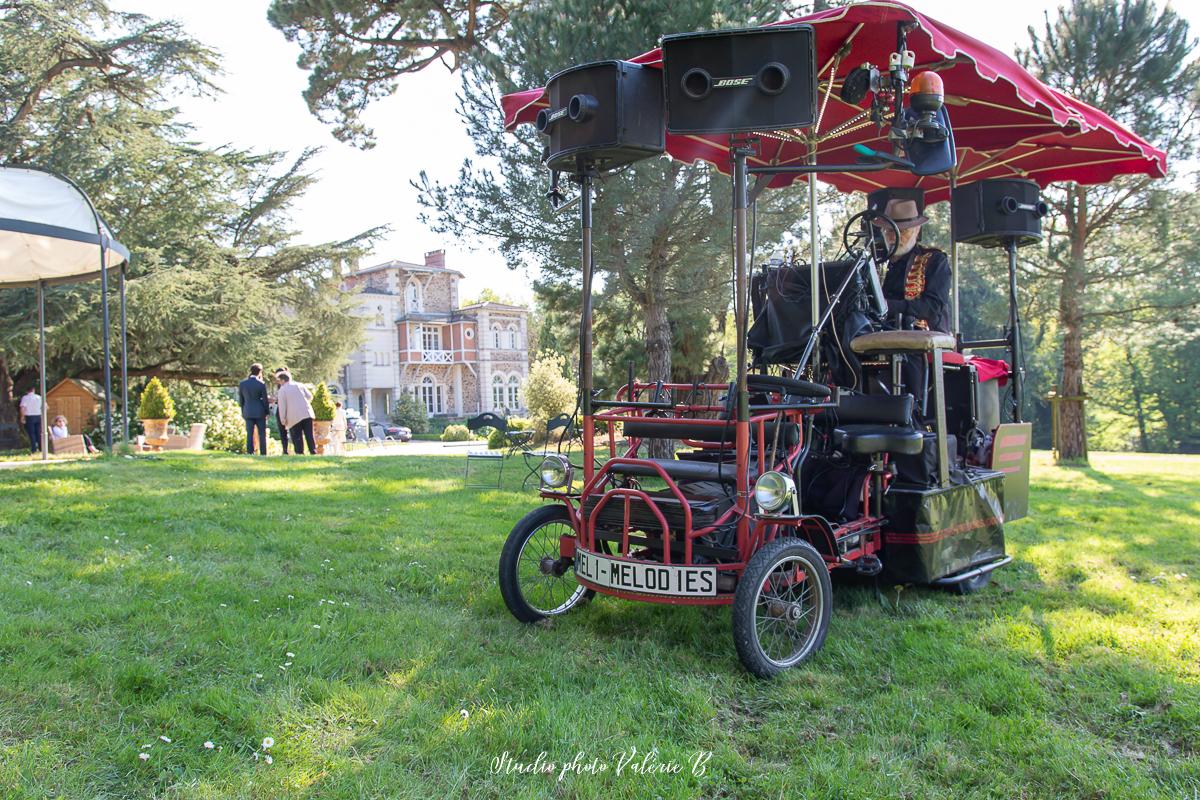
870 439
686 470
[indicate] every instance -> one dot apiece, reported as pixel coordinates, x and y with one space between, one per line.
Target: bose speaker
991 212
603 115
753 79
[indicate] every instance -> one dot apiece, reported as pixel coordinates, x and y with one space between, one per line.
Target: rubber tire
973 585
745 598
520 534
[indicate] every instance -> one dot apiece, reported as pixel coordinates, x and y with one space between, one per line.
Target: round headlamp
774 491
555 472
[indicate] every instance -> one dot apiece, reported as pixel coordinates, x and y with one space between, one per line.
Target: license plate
645 577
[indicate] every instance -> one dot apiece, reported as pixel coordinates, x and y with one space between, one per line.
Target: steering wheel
858 238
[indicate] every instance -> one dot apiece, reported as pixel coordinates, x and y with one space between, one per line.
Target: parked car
390 430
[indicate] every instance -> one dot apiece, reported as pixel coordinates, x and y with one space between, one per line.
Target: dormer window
413 302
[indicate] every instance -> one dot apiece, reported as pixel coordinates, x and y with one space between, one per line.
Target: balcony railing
437 356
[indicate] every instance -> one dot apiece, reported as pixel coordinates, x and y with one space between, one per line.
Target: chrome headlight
774 491
555 472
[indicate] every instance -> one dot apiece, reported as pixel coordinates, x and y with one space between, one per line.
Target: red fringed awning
1006 122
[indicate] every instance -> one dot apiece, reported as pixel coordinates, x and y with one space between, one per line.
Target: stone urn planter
323 411
156 431
321 433
156 409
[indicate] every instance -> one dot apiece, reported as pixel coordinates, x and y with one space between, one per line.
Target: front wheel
782 606
535 581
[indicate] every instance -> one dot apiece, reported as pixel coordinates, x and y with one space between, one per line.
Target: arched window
412 297
431 396
379 316
497 393
496 337
512 337
514 392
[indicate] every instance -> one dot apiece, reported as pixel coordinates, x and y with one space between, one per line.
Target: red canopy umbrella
1006 122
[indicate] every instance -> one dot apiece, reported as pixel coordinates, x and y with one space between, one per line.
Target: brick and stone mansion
458 361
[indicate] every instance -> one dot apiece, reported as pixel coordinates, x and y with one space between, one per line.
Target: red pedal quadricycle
818 456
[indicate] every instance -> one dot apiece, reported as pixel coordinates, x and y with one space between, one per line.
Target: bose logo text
730 83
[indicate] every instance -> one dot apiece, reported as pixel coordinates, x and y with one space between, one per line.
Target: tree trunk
1139 404
1072 431
658 356
10 437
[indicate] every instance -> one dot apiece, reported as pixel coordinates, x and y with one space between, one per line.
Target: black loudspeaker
991 212
603 115
753 79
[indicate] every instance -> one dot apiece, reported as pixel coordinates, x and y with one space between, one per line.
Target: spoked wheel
535 581
781 608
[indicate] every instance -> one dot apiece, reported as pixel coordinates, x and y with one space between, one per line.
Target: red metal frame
753 530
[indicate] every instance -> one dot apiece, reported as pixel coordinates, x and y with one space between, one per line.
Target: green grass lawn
348 610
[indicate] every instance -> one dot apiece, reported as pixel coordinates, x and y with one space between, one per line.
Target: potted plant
156 409
322 406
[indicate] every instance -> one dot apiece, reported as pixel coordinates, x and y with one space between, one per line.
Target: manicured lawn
348 610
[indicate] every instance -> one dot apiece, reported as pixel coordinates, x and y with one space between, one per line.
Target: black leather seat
870 424
867 440
725 472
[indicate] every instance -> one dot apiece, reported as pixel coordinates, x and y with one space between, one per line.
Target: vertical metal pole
1014 330
742 429
814 249
939 402
41 301
953 257
740 203
108 434
585 323
124 365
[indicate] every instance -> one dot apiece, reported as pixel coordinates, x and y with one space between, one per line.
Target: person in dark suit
252 397
916 287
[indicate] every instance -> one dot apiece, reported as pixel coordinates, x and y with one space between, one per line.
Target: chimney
435 258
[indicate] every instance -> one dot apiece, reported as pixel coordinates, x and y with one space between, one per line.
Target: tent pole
124 365
814 249
953 255
108 434
41 298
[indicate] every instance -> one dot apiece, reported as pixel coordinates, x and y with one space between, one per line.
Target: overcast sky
416 129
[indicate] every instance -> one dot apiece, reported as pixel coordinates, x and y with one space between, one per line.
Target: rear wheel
782 607
535 581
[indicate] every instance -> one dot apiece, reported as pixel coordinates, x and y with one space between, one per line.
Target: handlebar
877 155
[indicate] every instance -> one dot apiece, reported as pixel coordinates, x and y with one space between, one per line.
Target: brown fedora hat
904 213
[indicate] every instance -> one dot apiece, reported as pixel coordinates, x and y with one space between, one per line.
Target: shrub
547 392
155 402
322 403
456 433
496 437
226 430
410 412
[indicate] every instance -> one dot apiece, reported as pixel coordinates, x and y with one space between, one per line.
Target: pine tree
1133 61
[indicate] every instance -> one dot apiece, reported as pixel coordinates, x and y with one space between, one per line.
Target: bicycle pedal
868 565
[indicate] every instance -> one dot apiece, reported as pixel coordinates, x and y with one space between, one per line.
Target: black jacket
933 305
252 397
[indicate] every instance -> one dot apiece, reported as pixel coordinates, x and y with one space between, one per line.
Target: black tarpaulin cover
782 307
932 533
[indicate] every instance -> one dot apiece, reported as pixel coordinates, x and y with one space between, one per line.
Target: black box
603 115
748 79
932 533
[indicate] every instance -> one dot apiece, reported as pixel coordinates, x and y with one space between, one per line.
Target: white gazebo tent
50 233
